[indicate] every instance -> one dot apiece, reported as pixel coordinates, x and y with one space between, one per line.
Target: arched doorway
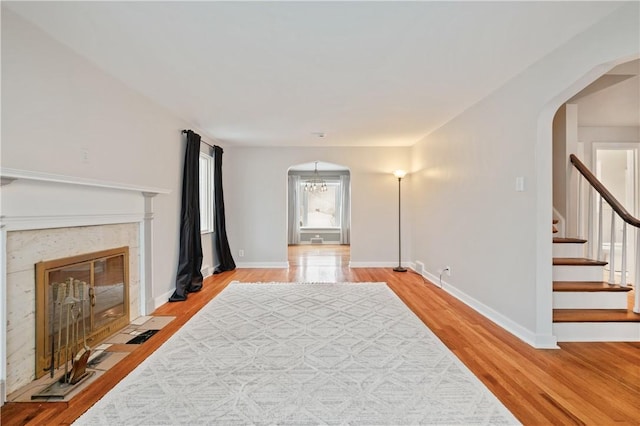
599 125
319 215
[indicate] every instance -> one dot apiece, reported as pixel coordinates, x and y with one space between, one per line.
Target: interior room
439 200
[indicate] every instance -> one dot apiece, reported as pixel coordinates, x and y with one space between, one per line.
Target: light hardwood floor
581 383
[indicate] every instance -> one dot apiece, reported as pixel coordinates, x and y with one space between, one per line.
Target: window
321 209
206 193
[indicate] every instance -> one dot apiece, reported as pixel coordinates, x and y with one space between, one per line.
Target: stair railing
603 194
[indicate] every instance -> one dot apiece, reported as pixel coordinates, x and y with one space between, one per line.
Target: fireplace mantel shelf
9 175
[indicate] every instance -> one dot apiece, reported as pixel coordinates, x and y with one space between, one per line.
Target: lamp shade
399 174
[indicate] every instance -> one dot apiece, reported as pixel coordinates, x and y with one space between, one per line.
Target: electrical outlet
447 270
241 253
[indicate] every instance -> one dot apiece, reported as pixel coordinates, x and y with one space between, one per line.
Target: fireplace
27 248
84 296
49 216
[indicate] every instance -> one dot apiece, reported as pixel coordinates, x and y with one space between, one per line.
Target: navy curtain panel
189 276
222 243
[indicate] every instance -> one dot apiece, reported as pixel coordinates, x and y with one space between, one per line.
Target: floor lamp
399 174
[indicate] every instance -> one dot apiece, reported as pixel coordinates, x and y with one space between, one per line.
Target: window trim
207 211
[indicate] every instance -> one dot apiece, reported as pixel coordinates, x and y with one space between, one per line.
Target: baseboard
162 299
352 264
206 271
267 265
3 392
535 340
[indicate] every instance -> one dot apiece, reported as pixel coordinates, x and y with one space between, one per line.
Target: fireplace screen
85 297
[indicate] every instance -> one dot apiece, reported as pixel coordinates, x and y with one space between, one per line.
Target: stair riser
589 300
597 331
577 273
568 250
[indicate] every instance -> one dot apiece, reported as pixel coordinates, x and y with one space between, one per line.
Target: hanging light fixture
316 183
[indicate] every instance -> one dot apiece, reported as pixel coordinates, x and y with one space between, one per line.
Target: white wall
56 106
565 143
467 213
560 161
255 185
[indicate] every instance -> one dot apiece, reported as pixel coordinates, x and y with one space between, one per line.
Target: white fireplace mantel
9 175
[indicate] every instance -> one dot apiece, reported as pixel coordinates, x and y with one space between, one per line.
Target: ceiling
280 73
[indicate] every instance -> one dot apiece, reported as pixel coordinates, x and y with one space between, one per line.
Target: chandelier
316 183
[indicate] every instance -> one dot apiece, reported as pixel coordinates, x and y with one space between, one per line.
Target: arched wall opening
552 162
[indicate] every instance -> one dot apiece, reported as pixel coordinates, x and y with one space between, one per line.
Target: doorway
319 213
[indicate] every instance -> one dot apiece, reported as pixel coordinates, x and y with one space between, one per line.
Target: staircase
586 308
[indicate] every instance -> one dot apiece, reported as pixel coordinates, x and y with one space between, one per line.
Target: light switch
520 184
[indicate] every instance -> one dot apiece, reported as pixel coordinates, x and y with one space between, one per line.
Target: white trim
24 223
146 255
162 299
3 314
206 271
73 180
561 225
389 264
207 192
597 331
590 300
535 340
266 265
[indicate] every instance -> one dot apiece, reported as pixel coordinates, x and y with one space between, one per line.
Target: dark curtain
189 276
222 243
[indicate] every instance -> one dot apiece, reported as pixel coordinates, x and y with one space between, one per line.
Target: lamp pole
399 174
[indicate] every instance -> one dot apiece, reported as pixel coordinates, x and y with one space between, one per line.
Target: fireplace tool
62 294
71 298
79 362
69 303
54 299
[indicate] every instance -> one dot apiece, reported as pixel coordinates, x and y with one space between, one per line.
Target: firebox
105 278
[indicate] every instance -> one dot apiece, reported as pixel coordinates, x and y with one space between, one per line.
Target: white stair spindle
623 268
600 254
580 224
612 250
636 285
590 233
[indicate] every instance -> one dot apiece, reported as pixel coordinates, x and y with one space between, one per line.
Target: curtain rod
201 141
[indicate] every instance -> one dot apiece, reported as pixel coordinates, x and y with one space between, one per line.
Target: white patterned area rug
301 354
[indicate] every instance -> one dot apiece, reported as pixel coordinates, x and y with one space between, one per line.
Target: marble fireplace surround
71 215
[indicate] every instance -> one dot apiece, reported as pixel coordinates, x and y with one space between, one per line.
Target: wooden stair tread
561 240
588 286
555 221
577 261
595 315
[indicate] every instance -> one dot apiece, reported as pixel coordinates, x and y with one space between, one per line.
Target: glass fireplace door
104 311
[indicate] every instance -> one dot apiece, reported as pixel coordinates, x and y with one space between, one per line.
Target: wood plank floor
582 383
